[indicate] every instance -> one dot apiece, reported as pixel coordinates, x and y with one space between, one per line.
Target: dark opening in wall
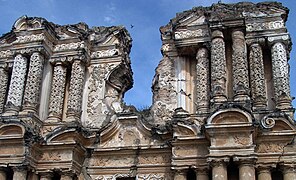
191 175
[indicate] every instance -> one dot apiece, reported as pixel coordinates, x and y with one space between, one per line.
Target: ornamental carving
76 87
261 26
104 53
241 139
257 75
112 161
218 67
151 177
280 70
154 159
202 80
51 156
17 82
70 46
3 87
6 54
29 38
184 34
240 64
271 147
96 106
33 86
57 90
267 122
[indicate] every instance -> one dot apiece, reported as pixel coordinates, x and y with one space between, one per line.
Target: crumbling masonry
221 100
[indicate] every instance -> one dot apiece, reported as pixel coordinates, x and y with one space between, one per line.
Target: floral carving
6 54
3 86
104 53
70 46
240 64
183 34
271 147
57 91
218 67
151 177
32 91
29 38
202 80
257 75
76 87
280 70
260 26
17 82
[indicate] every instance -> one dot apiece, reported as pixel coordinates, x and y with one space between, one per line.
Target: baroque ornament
17 82
104 53
184 34
29 38
3 86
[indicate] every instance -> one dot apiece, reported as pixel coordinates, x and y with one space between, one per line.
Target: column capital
202 170
218 161
255 42
217 34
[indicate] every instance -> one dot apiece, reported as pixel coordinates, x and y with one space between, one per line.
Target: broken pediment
26 23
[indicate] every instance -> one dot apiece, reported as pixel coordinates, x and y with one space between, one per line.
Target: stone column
280 72
240 66
76 91
289 173
180 175
19 173
247 171
202 174
3 174
218 68
17 84
3 85
202 80
56 100
33 86
257 77
219 170
264 173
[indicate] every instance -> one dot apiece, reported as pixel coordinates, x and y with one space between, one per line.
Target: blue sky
146 17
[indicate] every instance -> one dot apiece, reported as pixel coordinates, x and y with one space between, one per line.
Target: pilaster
247 170
240 67
180 175
289 172
17 84
280 71
33 86
257 76
202 80
76 90
56 100
218 68
20 173
3 174
219 168
264 173
202 174
3 85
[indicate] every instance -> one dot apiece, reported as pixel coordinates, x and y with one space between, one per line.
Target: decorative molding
185 34
261 26
29 38
104 53
3 87
6 54
70 46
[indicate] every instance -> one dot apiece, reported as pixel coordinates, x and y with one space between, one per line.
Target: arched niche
11 130
230 116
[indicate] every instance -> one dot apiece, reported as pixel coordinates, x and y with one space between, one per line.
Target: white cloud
109 19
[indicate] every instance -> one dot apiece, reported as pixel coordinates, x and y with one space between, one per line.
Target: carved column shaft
240 66
66 177
257 76
203 80
247 172
46 176
219 170
33 86
218 67
76 90
3 86
17 83
3 174
264 173
57 92
280 72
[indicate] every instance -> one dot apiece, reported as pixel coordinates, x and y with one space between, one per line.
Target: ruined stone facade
221 100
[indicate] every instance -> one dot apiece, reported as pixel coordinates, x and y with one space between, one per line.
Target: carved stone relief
202 80
29 38
271 147
151 176
257 76
261 26
3 86
184 34
70 46
33 86
104 53
57 91
17 82
76 88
